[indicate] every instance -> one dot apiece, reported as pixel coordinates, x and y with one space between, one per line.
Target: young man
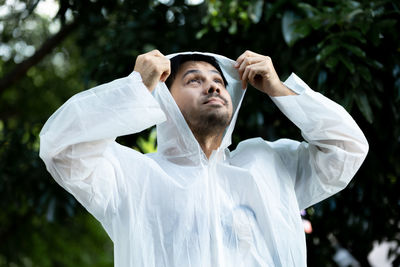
194 202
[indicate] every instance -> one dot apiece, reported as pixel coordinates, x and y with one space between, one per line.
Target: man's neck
208 143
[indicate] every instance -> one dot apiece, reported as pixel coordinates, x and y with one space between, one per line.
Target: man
194 202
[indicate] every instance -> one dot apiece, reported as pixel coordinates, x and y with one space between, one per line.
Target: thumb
164 76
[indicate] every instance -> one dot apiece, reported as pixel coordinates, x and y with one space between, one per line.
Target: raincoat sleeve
335 146
78 145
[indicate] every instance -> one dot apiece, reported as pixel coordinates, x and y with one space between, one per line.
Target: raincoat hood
175 139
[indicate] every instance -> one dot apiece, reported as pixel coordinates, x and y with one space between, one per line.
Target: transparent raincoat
178 208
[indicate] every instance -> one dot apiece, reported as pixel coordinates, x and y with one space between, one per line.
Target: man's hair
177 62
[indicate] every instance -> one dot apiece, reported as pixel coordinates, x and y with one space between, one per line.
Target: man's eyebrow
188 72
197 71
216 72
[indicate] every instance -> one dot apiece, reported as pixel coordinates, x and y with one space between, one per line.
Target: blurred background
50 50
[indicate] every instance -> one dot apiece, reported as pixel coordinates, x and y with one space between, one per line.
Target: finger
246 73
166 71
156 53
244 84
259 69
248 61
242 67
240 59
255 77
247 53
164 76
252 75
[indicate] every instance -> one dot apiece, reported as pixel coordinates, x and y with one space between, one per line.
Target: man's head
179 60
198 86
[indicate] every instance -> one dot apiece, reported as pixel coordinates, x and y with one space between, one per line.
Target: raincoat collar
175 140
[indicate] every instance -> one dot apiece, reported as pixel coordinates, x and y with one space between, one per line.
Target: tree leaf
288 29
376 64
356 35
201 33
326 51
331 62
255 10
302 29
364 106
365 73
355 50
233 28
349 65
348 101
354 13
308 7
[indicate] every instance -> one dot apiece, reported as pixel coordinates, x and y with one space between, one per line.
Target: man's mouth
215 100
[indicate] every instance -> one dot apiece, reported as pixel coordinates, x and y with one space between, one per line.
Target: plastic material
178 208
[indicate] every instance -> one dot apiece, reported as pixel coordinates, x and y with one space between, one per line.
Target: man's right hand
153 67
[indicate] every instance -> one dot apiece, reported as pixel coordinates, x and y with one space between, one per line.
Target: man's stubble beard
210 123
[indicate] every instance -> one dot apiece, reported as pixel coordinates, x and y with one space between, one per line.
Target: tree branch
22 68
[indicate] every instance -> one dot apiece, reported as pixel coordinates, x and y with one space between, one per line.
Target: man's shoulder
252 146
248 143
258 144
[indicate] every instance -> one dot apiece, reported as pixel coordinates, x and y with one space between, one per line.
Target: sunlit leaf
288 28
255 10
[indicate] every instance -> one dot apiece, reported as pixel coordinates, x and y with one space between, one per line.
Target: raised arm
78 145
335 146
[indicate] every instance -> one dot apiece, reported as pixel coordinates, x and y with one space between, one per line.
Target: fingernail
236 64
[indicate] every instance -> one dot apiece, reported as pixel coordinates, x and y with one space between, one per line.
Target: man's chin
217 118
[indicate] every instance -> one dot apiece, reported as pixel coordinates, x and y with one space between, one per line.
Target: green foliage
149 145
347 33
229 15
347 50
40 224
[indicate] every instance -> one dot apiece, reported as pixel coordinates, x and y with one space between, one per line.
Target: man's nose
213 88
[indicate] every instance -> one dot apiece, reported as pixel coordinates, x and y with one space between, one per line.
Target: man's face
200 93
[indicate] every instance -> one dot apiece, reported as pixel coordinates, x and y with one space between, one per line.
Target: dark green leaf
331 62
348 64
376 64
355 50
310 10
365 73
348 101
364 106
326 51
354 13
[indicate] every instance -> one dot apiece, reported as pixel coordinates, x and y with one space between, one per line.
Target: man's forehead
197 66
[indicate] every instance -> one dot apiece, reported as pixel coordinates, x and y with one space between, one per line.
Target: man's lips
214 100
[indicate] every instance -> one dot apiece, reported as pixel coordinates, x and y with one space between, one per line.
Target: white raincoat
178 208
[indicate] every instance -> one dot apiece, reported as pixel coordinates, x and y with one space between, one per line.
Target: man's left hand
259 71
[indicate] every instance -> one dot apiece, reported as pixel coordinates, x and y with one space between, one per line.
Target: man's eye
218 81
194 81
